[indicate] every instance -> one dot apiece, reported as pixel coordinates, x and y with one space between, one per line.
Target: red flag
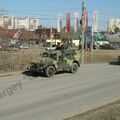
85 20
67 28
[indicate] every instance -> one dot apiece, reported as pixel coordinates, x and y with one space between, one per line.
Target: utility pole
83 38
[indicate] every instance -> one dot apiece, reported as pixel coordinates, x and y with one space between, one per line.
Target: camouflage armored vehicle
51 62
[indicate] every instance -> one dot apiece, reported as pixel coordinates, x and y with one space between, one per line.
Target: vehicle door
61 62
69 57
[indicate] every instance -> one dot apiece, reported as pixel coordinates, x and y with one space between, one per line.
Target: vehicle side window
45 54
69 55
73 52
54 56
61 58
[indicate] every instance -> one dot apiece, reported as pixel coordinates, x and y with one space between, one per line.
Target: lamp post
83 38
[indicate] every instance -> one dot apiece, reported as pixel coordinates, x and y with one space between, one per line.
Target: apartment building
112 24
10 22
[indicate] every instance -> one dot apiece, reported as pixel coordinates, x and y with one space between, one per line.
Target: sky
47 10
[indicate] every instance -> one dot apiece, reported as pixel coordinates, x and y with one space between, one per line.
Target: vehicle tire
50 71
74 68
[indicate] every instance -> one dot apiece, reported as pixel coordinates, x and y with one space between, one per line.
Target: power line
35 14
105 13
43 16
101 25
48 10
100 20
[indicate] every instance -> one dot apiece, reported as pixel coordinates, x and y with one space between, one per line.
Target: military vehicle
51 62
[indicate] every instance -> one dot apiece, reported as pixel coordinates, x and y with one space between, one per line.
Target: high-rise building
10 22
33 23
7 21
29 23
112 24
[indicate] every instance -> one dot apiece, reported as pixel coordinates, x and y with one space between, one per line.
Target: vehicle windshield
45 54
53 56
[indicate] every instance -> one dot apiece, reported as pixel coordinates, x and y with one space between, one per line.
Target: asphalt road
39 98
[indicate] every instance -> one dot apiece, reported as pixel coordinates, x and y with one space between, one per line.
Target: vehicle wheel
74 68
50 71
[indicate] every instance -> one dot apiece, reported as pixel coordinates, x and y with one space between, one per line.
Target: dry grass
102 56
16 61
12 61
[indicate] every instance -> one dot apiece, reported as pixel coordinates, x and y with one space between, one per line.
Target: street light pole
83 38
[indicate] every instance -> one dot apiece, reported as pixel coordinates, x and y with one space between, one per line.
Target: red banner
85 20
67 28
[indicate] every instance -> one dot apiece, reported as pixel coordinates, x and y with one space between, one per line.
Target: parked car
107 47
24 46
